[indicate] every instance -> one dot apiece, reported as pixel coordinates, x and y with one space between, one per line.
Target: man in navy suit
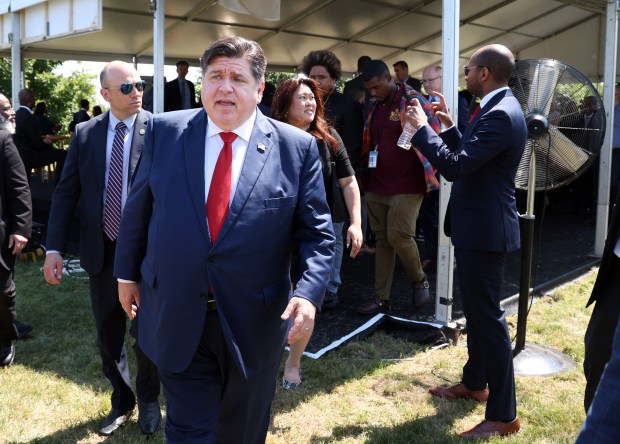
88 177
599 335
482 163
221 200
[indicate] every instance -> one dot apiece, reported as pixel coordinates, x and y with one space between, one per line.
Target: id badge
372 159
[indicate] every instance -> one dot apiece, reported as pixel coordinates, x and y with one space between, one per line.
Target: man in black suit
600 332
36 152
102 162
354 88
15 228
482 163
401 70
180 93
80 116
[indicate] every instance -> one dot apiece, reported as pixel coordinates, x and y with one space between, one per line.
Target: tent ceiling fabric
390 30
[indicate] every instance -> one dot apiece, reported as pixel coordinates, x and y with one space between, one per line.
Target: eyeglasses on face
466 68
430 80
126 88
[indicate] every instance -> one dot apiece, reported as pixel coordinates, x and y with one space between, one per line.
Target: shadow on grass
88 432
359 358
63 341
425 430
63 344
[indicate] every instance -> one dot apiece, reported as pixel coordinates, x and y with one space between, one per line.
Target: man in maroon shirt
395 186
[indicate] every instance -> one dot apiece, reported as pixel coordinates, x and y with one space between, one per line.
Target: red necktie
474 113
219 191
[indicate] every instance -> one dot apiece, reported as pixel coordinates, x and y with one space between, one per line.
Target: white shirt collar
244 130
129 121
490 95
25 107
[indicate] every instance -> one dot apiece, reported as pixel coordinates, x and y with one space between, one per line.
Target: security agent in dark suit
88 178
401 70
34 151
15 226
600 332
180 93
80 116
482 163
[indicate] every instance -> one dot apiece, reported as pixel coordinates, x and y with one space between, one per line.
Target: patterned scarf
409 93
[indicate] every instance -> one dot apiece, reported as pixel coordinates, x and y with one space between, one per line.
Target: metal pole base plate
539 360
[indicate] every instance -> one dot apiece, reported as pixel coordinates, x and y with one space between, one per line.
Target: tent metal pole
159 36
445 250
609 81
16 58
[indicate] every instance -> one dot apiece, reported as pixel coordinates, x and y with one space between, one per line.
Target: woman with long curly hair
297 102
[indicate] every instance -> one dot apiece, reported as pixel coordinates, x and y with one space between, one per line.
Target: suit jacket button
203 296
210 260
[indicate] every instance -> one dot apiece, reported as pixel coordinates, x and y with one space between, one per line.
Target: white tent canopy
568 30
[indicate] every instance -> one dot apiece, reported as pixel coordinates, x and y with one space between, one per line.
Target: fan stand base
539 360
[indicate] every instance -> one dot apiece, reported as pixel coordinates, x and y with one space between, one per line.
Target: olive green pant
393 220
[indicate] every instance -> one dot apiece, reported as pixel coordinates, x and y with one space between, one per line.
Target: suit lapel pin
142 131
261 147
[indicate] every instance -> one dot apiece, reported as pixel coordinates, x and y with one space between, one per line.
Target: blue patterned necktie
114 192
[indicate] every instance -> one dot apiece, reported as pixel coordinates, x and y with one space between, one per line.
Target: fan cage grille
575 114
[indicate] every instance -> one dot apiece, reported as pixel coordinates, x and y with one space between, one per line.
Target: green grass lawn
368 391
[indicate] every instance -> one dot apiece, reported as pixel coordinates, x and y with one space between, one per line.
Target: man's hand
52 268
303 312
129 297
415 115
440 110
17 242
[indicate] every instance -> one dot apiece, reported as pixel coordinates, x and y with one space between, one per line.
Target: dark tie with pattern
219 191
114 192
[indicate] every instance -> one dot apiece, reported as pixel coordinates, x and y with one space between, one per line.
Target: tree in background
62 94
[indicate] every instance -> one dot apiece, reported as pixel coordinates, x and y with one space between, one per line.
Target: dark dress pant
601 425
211 401
7 307
39 159
111 324
489 364
429 222
600 331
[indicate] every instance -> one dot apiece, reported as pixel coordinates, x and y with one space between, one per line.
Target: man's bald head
113 67
26 97
498 59
112 77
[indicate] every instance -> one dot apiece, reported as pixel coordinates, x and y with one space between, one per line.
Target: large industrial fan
566 125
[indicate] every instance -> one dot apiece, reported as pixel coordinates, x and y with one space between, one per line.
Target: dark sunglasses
126 88
466 68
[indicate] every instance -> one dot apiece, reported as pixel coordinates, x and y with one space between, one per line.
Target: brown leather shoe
420 294
459 391
487 429
374 307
